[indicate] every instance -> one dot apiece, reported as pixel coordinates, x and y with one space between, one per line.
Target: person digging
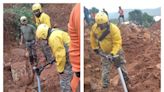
59 42
105 38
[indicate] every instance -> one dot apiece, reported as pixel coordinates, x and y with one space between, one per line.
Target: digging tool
118 64
38 71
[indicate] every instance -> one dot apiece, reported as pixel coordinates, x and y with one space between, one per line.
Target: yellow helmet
23 19
36 6
101 18
42 31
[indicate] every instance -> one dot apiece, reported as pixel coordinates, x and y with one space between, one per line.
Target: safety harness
105 33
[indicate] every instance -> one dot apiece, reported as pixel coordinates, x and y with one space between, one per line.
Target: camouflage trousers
106 64
31 48
66 77
46 50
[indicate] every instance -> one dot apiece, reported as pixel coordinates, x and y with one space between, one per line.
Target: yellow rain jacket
57 40
112 43
43 19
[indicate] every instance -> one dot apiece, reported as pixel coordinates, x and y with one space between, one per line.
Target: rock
115 80
30 89
27 54
158 66
18 52
88 66
146 35
19 89
7 65
22 73
97 69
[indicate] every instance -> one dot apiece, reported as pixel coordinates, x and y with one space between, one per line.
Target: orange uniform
74 50
74 32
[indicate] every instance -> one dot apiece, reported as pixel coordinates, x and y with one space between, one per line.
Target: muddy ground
142 51
18 76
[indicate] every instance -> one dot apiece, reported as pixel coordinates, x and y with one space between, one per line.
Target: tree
94 10
147 20
136 16
140 18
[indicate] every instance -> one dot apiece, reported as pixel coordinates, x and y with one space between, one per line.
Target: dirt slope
142 51
13 53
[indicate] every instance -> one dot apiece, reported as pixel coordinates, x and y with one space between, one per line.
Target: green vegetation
17 10
148 20
140 18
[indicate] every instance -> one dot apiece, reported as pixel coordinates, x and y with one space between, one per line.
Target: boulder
22 73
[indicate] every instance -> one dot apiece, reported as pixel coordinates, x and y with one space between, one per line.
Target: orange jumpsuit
74 50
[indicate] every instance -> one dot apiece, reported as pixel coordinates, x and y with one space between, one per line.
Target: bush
140 18
18 10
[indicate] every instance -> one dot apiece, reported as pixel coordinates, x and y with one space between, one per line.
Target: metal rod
122 80
119 71
38 72
39 85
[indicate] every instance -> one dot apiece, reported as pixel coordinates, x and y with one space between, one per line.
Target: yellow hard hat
101 18
42 31
23 19
36 6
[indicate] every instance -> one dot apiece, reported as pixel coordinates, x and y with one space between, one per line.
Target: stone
22 73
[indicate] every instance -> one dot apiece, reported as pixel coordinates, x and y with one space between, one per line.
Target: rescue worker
58 41
43 18
105 37
40 16
28 34
121 14
74 50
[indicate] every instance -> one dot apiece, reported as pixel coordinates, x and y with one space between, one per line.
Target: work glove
96 51
112 57
117 60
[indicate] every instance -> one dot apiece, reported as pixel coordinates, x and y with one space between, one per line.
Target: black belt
29 40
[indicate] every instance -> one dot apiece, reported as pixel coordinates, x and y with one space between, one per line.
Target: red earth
14 55
142 51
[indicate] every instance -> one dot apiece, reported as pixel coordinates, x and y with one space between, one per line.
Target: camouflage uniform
30 45
46 50
66 76
106 69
